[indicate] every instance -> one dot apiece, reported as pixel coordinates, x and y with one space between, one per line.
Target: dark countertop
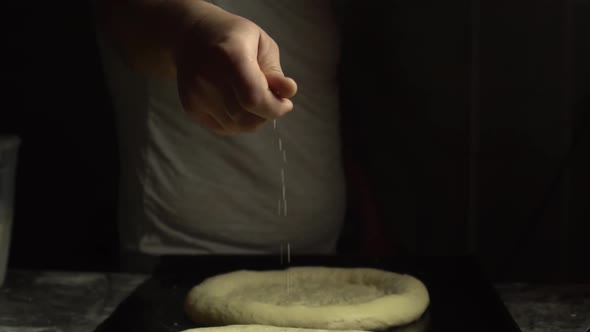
33 301
548 308
61 301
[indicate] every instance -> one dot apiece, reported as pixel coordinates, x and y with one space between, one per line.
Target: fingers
258 81
254 94
281 86
237 85
269 60
238 118
216 110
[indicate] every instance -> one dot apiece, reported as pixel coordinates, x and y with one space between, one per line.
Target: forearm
147 32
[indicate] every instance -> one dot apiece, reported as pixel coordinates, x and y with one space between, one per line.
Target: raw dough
309 297
258 328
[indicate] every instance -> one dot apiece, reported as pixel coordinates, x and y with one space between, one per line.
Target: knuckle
236 46
231 49
231 52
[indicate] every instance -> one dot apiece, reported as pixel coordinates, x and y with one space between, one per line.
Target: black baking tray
462 299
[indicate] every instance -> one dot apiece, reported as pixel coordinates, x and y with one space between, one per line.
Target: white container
8 157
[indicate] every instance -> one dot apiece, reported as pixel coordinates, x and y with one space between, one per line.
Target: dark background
478 135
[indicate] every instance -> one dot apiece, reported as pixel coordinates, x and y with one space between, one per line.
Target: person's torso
186 190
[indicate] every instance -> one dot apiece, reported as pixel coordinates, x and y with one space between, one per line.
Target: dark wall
474 108
478 139
67 174
534 79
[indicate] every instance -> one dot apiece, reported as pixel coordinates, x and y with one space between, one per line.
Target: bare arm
226 67
147 32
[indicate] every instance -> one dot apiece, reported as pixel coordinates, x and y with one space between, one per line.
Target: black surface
462 299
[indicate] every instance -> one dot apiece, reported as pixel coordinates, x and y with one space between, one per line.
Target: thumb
281 86
270 65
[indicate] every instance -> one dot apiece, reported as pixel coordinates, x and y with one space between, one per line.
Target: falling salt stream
282 203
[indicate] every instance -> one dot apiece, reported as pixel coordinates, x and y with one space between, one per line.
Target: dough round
258 328
309 297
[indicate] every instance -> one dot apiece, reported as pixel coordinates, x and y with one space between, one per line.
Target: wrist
185 18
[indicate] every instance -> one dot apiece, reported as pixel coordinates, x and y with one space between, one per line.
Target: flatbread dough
309 297
258 328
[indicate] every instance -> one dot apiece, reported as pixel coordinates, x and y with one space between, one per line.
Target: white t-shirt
185 190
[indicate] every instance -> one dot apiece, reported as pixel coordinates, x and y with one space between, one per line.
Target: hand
229 73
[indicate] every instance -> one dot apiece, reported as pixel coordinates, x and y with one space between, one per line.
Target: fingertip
288 104
281 86
289 88
285 106
292 87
